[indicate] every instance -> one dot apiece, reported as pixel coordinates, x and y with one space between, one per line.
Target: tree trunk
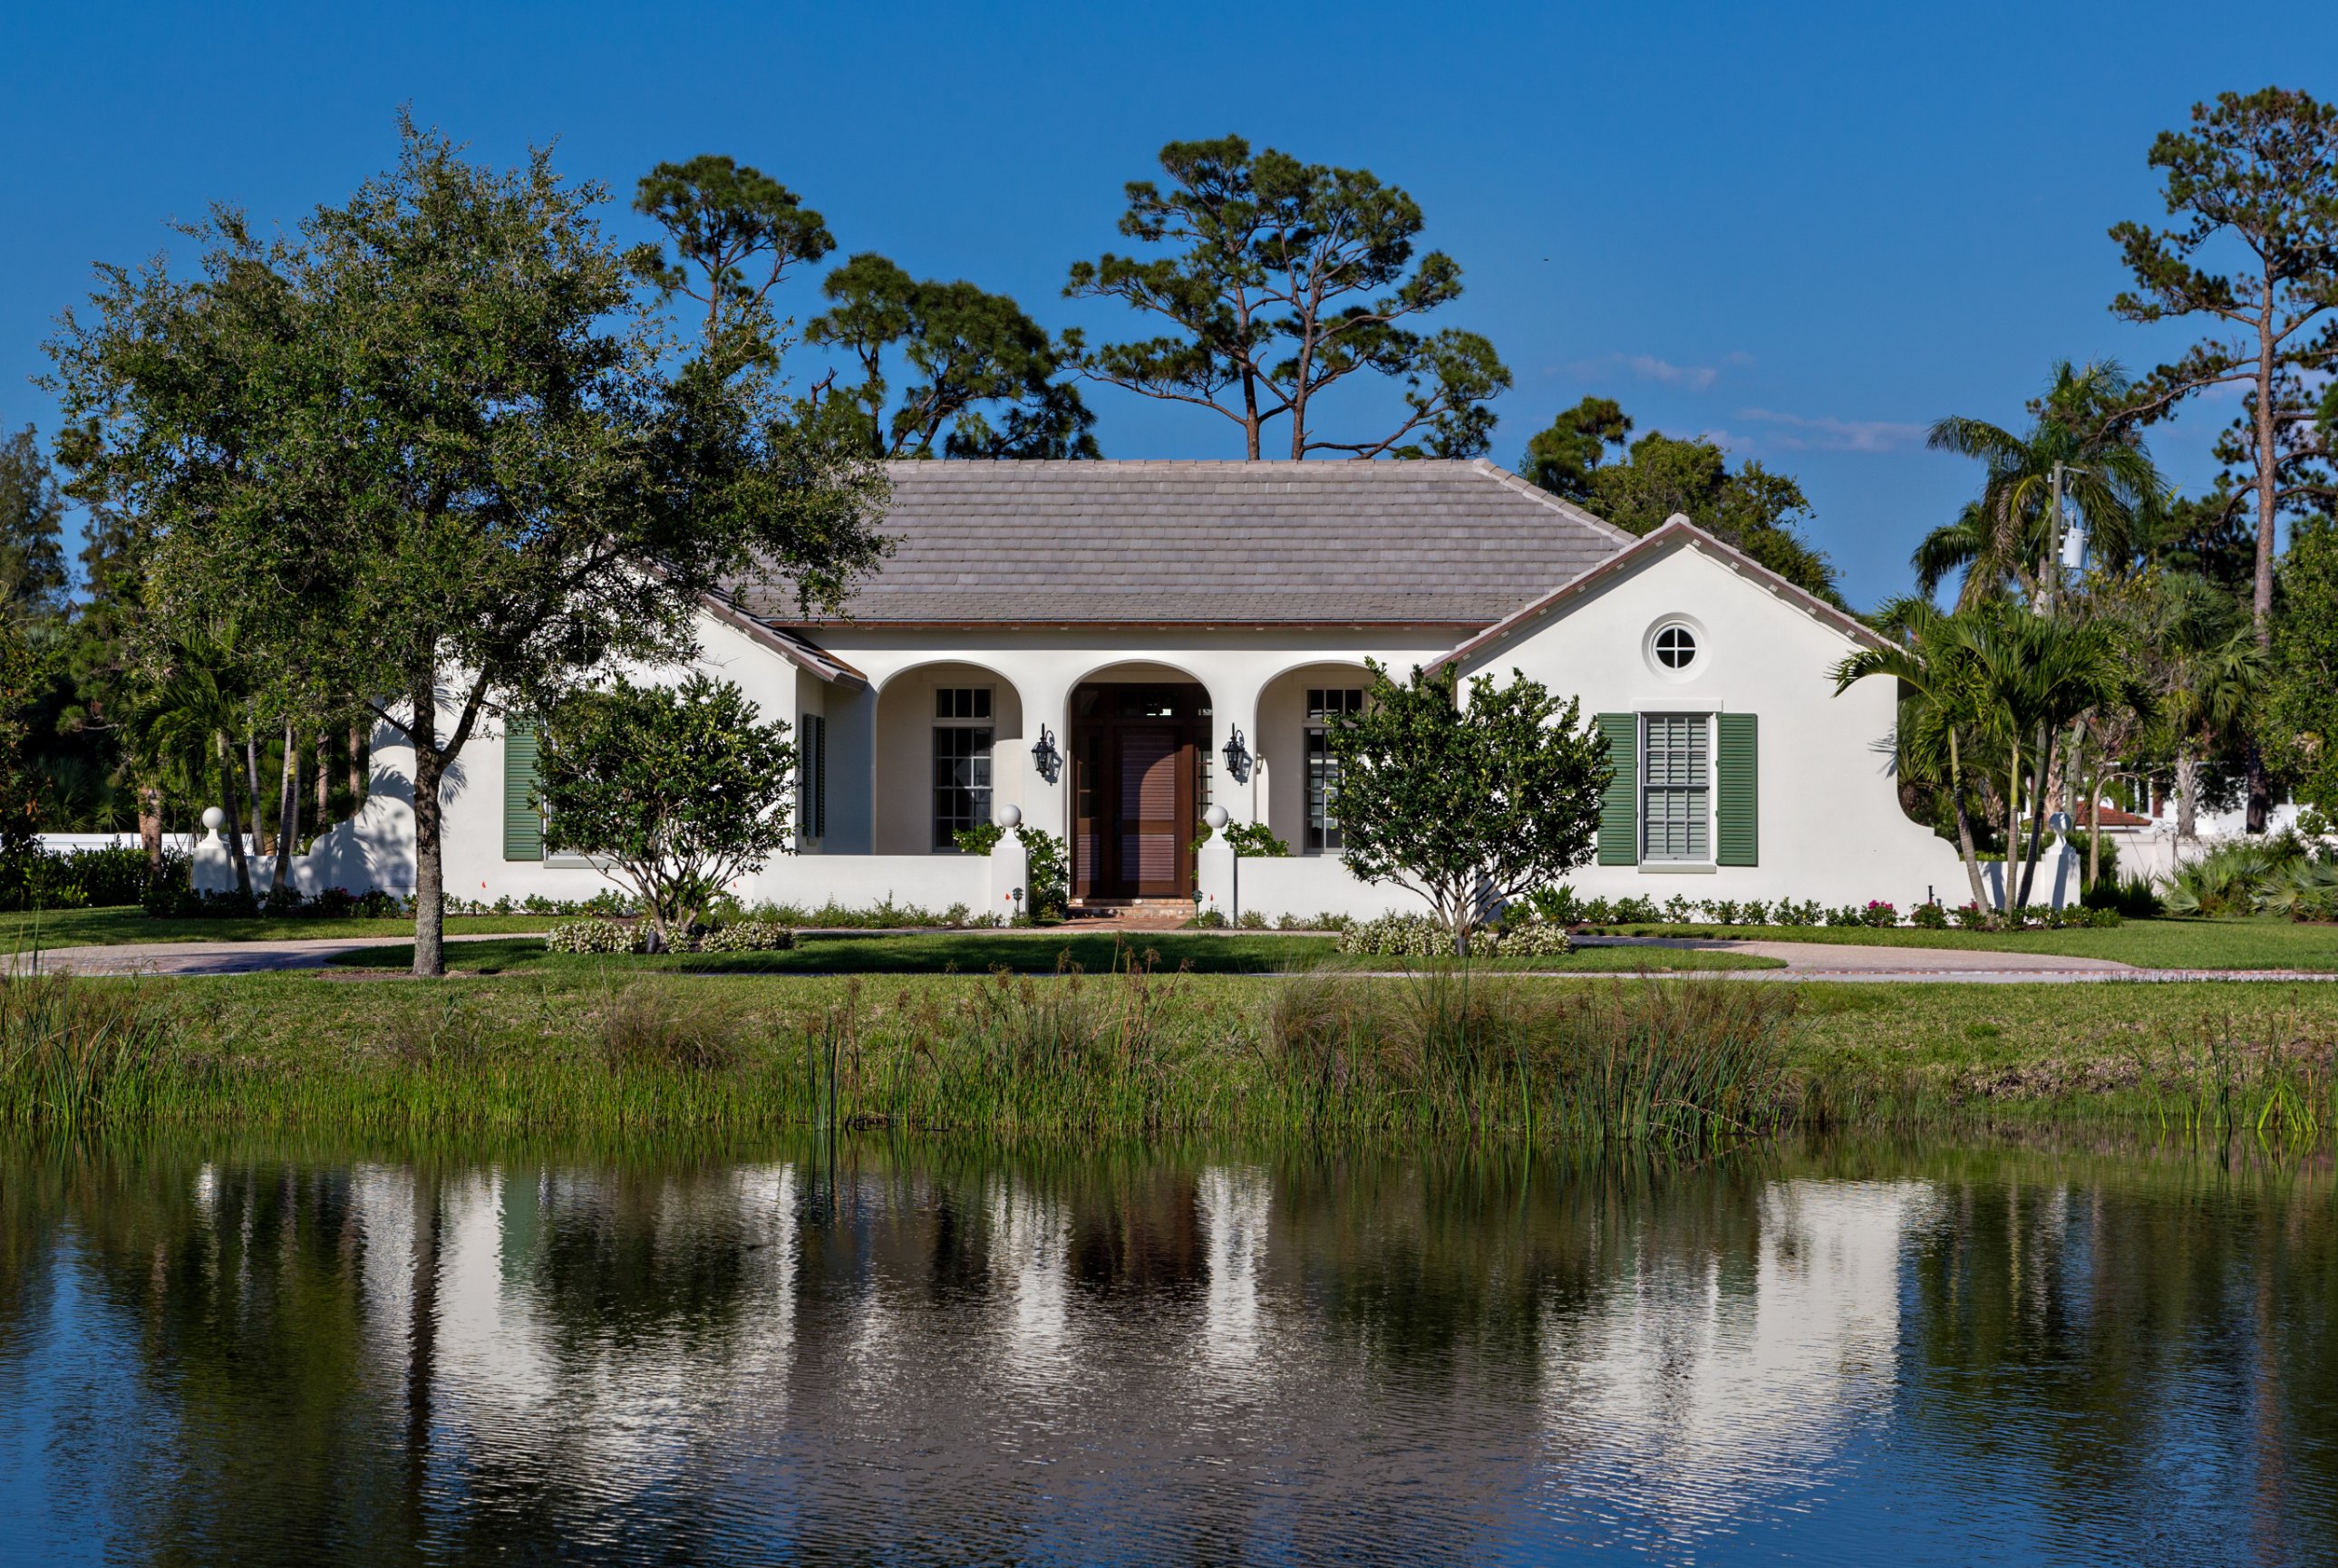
1964 828
287 811
251 772
2037 813
324 780
149 824
2012 823
234 824
429 883
2187 794
2095 827
2260 789
357 766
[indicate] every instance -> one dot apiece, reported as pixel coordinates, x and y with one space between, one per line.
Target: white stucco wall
1829 825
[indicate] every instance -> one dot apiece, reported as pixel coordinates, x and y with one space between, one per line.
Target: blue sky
1807 232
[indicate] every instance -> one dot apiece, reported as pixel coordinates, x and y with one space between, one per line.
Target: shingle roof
1458 543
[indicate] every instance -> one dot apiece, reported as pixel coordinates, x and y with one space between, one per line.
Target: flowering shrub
1879 914
1418 936
1790 913
1929 916
598 936
748 936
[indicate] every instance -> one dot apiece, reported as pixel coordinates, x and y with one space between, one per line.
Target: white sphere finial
1008 816
214 818
1217 817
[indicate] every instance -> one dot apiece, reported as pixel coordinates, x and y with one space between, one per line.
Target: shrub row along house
1110 649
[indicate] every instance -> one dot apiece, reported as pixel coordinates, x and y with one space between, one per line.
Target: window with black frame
962 735
1325 704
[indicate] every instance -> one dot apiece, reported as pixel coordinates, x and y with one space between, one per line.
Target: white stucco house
1111 649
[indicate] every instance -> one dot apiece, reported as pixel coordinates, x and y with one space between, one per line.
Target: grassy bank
617 1053
1025 952
2201 944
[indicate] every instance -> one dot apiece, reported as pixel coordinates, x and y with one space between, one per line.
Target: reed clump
1452 1050
70 1054
667 1026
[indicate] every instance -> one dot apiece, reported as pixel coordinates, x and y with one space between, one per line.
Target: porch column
1233 700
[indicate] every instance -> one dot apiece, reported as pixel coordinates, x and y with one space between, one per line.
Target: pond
1831 1353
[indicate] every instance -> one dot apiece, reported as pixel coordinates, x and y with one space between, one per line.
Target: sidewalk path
1803 961
1953 966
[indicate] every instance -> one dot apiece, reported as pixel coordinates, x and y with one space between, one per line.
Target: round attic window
1675 648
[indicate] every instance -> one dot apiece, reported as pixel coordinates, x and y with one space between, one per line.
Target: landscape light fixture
1237 758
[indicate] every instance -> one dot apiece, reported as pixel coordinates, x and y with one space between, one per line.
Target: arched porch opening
1137 743
949 751
1297 785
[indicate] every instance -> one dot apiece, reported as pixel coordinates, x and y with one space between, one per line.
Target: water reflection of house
1710 1392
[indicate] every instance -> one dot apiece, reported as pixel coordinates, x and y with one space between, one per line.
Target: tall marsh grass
1450 1054
72 1055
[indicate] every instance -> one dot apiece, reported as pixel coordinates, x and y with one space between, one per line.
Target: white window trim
1711 862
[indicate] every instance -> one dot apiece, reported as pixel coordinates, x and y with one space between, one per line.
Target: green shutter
522 826
1737 805
1619 812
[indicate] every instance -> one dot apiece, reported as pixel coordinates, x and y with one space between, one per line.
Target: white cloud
1793 433
1648 367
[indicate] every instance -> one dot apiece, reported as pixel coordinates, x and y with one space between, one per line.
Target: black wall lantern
1044 757
1237 758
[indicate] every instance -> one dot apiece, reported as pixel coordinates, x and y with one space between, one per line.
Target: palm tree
2005 541
1938 709
196 707
2207 669
2034 677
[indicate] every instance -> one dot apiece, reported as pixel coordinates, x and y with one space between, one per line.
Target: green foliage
1470 804
735 233
2300 708
32 531
598 936
95 879
20 674
681 789
1252 841
967 350
2006 540
1421 936
2260 169
2276 875
979 840
748 936
1759 511
441 412
1566 458
1277 280
1047 873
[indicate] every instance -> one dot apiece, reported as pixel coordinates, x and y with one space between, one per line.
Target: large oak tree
434 450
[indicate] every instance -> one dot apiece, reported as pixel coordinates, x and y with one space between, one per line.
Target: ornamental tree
434 452
1470 803
680 789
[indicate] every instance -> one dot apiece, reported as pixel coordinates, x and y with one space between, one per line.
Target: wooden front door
1135 753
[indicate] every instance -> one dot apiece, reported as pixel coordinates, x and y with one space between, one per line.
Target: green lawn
1026 952
2241 943
113 927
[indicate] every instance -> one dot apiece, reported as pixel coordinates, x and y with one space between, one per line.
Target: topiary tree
681 790
1470 803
